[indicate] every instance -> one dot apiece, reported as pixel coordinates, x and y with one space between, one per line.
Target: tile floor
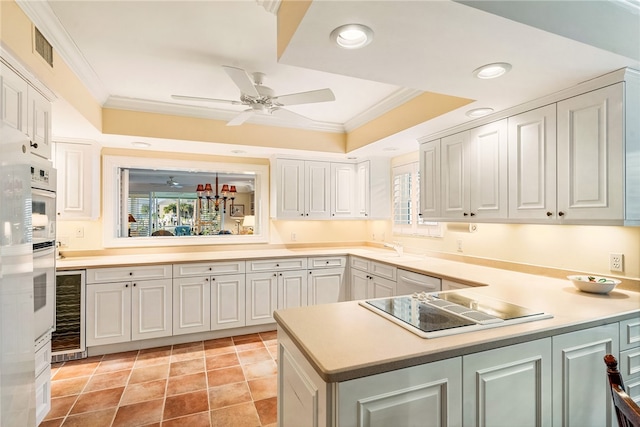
222 382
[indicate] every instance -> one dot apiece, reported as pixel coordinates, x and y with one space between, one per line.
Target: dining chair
627 411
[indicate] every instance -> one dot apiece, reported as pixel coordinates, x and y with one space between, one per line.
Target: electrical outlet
616 262
293 237
459 243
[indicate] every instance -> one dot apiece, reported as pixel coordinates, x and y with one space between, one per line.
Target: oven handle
43 193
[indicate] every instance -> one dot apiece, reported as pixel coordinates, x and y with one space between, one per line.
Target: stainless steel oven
43 210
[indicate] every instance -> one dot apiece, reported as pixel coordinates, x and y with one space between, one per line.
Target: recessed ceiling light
491 71
479 112
140 144
352 36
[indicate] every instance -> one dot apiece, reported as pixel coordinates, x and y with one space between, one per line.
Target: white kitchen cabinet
192 305
430 190
409 282
292 289
261 297
78 167
39 123
448 285
508 386
128 303
208 296
300 189
591 156
581 394
371 279
474 173
373 189
424 395
327 285
532 165
343 185
13 99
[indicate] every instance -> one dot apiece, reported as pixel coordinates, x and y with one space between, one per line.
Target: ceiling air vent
43 47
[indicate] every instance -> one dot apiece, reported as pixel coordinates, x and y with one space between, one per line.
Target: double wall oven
43 209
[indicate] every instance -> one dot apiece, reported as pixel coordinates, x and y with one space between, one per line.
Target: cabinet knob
131 273
210 268
275 275
33 144
560 213
277 265
126 286
301 214
465 214
280 274
307 214
472 214
309 271
206 279
134 284
549 214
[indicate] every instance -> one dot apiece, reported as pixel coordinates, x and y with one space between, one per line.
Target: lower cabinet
261 298
508 386
365 285
580 387
326 285
124 311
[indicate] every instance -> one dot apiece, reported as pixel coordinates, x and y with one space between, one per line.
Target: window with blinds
406 203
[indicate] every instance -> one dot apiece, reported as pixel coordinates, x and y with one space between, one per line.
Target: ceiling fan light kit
261 99
352 36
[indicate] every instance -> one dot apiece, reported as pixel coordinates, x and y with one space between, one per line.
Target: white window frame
417 226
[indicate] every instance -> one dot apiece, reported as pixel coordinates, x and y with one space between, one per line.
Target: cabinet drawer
630 363
208 268
122 274
383 270
276 264
43 358
359 263
327 262
629 333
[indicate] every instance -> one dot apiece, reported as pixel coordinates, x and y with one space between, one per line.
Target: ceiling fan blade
290 115
197 98
242 80
320 95
240 118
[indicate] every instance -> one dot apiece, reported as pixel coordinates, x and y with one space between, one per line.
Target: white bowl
594 284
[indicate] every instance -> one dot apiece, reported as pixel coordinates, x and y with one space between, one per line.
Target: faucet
397 246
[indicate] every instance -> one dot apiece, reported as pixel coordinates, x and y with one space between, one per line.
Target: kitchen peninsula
343 365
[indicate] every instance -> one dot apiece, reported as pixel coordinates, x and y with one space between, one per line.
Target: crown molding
159 107
270 6
392 101
43 17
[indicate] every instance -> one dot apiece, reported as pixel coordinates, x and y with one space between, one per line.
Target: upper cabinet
25 109
571 158
303 189
78 168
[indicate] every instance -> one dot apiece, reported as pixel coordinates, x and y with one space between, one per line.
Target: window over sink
176 202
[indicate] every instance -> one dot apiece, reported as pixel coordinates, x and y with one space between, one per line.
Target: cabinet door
108 313
228 301
289 188
292 289
532 164
191 305
343 177
454 151
151 309
363 190
13 102
327 286
580 389
261 298
381 287
430 192
488 167
508 386
359 285
424 395
78 167
39 123
317 187
590 155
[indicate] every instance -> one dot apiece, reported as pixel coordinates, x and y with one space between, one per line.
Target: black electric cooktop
446 313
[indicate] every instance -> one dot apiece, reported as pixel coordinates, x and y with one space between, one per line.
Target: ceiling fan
261 99
173 183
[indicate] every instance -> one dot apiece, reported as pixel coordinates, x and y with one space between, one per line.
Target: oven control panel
39 175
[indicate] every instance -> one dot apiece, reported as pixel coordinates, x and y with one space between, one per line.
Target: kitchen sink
398 257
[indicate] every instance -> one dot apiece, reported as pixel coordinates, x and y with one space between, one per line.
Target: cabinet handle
549 214
472 214
465 214
560 213
33 144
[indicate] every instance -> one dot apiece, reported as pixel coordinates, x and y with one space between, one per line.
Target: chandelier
228 192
